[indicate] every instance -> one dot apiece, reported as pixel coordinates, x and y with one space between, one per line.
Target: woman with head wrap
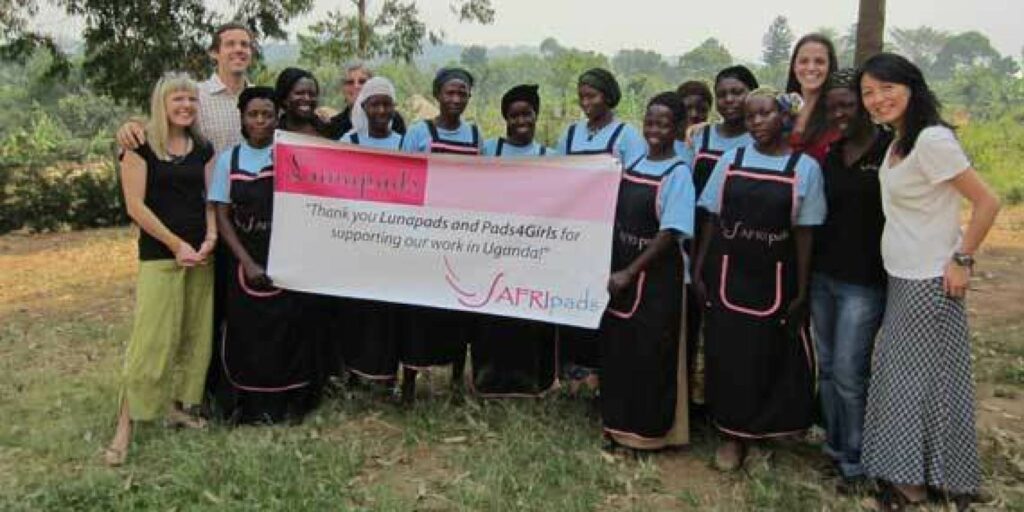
373 116
339 123
752 274
848 284
643 379
814 58
371 349
431 336
599 133
267 362
520 106
712 140
514 357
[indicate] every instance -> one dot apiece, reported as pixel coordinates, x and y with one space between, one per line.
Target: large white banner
527 238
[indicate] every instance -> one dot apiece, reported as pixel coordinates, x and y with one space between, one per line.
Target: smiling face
729 96
520 122
259 120
811 66
763 119
453 97
592 102
841 109
380 109
182 107
234 53
302 99
886 102
659 127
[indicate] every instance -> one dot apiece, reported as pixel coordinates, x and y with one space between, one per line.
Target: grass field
65 308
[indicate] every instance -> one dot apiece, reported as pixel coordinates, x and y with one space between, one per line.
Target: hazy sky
672 27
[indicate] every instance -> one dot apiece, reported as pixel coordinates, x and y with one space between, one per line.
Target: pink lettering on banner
337 173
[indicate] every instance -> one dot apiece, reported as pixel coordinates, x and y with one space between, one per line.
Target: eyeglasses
350 81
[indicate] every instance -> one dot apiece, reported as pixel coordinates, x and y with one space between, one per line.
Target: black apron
265 354
639 335
513 357
434 336
578 347
760 379
371 348
704 162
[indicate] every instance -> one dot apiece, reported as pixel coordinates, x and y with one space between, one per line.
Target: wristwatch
963 259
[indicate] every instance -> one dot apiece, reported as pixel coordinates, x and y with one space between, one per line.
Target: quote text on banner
526 238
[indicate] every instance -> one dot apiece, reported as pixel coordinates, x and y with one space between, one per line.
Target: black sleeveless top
176 194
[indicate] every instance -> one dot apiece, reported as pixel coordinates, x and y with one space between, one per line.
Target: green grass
358 452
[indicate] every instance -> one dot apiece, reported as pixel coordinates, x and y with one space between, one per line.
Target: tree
777 42
870 29
921 45
129 45
474 57
18 43
395 31
704 61
636 61
970 49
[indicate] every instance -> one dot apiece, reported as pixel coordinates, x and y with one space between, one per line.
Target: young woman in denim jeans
848 284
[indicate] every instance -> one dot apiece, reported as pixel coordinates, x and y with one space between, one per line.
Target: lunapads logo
497 291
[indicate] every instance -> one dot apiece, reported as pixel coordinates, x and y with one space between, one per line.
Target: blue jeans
845 318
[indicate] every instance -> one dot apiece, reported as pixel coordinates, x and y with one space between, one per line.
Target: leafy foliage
776 42
705 60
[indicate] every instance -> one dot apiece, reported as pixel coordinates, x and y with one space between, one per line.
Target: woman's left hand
206 249
955 280
620 281
795 314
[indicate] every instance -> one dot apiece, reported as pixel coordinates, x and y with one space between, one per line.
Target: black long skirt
513 357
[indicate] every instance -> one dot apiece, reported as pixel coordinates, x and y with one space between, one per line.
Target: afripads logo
497 291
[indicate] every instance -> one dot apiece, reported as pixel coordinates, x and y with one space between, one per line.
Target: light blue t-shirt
683 151
628 147
393 141
417 138
811 206
716 142
250 160
676 196
511 150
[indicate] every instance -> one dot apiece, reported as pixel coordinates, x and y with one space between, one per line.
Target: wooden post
870 29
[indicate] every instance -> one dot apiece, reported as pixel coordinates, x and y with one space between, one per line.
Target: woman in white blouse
919 428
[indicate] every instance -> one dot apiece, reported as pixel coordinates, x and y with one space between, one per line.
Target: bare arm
131 134
133 184
984 208
210 240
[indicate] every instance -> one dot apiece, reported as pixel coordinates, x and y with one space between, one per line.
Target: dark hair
696 88
741 73
817 124
922 108
252 93
286 82
673 102
231 25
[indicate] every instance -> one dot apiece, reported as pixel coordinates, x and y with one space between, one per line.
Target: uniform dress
372 349
643 378
513 357
264 352
579 352
759 371
434 336
710 145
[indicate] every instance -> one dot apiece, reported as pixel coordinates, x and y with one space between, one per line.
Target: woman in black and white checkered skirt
919 429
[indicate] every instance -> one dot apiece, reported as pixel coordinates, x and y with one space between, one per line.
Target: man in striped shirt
232 49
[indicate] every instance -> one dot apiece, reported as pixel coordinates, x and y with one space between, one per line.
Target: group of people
809 239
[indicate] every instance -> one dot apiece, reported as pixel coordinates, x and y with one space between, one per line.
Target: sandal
181 419
890 499
725 461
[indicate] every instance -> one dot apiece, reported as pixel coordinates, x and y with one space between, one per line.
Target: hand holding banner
526 238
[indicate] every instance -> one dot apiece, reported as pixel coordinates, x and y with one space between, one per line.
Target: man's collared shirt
218 114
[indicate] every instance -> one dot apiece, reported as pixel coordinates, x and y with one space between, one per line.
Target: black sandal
891 499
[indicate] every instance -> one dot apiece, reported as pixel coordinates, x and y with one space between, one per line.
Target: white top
922 208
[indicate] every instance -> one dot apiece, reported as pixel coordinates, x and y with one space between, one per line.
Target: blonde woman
164 185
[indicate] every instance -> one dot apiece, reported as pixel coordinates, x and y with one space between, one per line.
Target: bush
54 198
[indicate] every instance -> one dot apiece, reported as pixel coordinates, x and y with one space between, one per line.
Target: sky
672 27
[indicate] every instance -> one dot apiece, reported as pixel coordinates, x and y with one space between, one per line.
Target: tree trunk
870 29
364 31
